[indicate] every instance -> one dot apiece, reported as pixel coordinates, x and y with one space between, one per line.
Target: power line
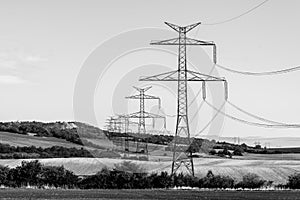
165 114
212 119
282 71
236 17
200 106
254 116
199 91
254 123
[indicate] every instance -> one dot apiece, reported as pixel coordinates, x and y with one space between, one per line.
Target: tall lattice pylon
182 140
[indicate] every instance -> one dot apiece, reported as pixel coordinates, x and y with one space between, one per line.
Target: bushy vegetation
251 180
212 181
222 153
35 174
12 152
126 175
294 181
257 149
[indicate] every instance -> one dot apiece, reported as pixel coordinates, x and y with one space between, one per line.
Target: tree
294 181
163 180
244 146
224 152
194 146
216 181
251 180
258 146
58 177
238 151
213 152
3 175
26 174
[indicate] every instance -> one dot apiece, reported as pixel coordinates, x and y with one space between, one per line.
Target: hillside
28 140
67 134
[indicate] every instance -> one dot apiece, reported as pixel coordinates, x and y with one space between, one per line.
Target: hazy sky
43 45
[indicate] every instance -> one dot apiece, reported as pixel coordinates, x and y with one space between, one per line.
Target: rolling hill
66 134
272 169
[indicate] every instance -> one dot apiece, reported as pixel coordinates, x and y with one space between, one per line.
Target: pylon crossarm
173 76
140 96
133 97
151 115
187 28
144 114
167 76
173 26
173 41
150 97
188 41
191 26
196 76
134 115
142 89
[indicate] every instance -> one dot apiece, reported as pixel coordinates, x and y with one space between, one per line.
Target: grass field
14 139
270 169
145 194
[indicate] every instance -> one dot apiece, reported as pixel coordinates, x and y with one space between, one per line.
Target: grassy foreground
144 194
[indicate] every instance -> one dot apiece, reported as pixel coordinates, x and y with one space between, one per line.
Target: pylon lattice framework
181 156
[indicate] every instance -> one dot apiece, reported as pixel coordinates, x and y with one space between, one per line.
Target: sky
45 44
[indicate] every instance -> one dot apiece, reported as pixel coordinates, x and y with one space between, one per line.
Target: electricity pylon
110 124
114 124
181 153
142 114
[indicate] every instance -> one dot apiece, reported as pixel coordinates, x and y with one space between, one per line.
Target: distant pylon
181 153
142 114
114 124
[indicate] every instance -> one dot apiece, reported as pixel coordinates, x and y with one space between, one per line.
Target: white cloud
34 59
9 79
17 60
9 64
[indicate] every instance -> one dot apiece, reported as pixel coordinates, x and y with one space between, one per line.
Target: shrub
212 181
294 181
238 151
26 174
251 180
213 152
224 153
185 180
163 180
58 177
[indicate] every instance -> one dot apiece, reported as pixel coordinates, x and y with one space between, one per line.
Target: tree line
257 149
12 152
126 175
